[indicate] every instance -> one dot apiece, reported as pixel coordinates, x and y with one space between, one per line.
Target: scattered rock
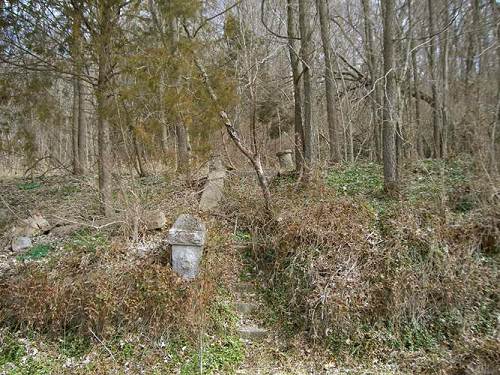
155 220
21 243
187 237
286 161
32 226
39 222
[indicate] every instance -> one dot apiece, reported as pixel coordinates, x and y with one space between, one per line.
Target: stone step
246 307
245 287
251 332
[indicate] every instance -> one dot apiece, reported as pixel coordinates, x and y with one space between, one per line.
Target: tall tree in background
324 19
310 142
376 95
390 97
293 51
495 8
418 138
79 119
107 14
145 84
436 109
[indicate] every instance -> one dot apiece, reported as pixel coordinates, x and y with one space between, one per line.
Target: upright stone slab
214 187
187 237
286 161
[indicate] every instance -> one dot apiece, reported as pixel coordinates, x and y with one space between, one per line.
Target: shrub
361 281
95 289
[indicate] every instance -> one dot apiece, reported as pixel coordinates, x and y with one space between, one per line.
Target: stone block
213 191
20 243
286 161
187 237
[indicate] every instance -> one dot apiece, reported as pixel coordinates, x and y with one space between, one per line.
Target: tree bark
181 131
390 97
436 111
376 95
293 50
418 136
324 20
310 149
82 129
103 103
444 44
79 124
493 166
74 128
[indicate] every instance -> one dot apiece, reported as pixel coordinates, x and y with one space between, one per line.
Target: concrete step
245 287
246 308
252 332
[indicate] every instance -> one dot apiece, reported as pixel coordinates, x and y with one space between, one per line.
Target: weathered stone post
286 160
214 188
187 237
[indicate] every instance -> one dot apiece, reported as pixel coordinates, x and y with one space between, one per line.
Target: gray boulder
155 220
20 244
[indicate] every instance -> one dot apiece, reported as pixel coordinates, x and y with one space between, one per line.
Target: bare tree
376 94
390 97
293 49
306 51
324 20
496 121
79 119
436 110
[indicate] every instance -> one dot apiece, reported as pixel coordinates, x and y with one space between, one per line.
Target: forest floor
84 297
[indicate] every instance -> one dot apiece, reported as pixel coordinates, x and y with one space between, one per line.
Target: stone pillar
187 237
214 187
286 160
215 164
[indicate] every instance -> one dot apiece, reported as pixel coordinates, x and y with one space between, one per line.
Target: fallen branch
235 136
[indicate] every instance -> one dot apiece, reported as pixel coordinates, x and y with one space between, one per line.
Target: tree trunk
82 129
493 167
324 20
436 110
103 103
164 138
79 124
390 97
104 150
293 50
418 136
181 131
74 128
182 148
306 57
376 95
444 83
138 159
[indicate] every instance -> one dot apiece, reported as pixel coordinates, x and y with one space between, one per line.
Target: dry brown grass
101 294
367 278
107 287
